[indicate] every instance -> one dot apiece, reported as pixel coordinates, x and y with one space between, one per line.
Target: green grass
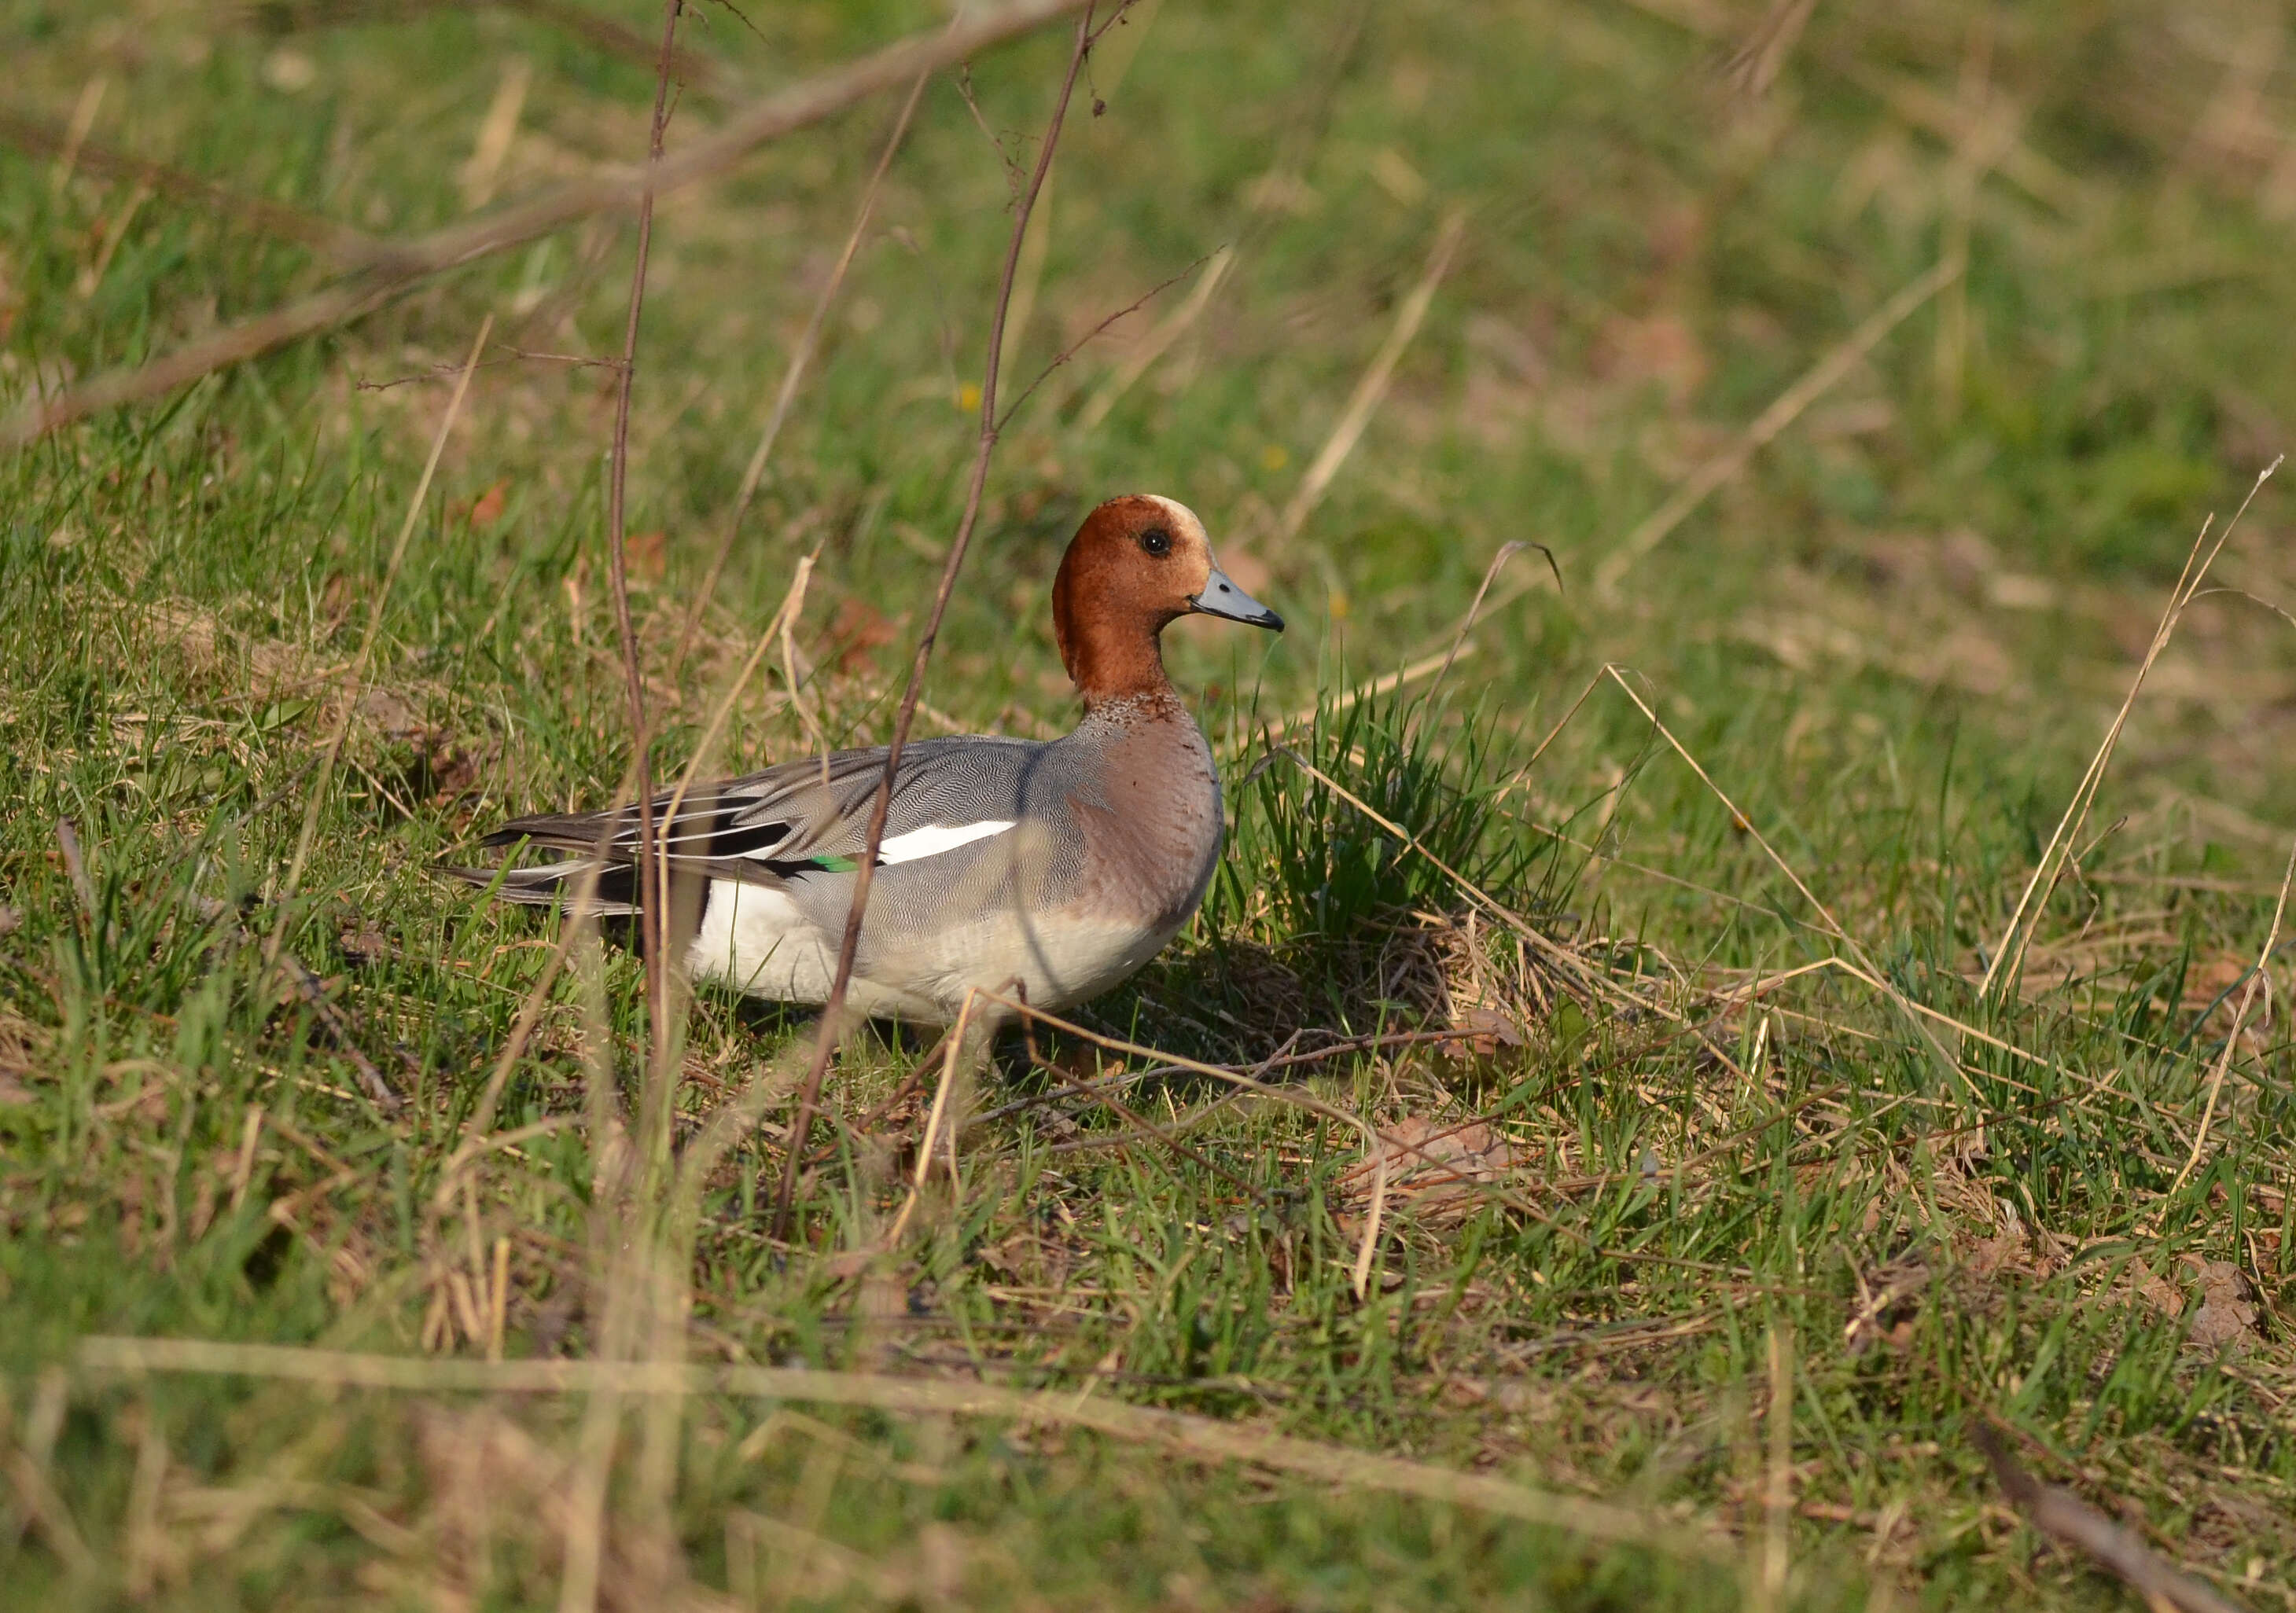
1895 640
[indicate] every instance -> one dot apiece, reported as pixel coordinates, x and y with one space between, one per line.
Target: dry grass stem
1203 1438
1372 385
1786 408
339 242
1386 684
2018 930
1759 61
1777 1491
400 264
2259 976
777 626
1951 120
1158 341
652 883
792 375
1595 983
1833 926
356 677
953 1043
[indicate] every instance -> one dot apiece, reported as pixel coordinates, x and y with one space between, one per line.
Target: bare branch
1081 342
653 916
834 1010
401 264
2061 1514
339 242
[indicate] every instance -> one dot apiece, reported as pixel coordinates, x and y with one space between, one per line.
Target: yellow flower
968 398
1275 457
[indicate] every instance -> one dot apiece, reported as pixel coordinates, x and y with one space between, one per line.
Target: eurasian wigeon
1065 865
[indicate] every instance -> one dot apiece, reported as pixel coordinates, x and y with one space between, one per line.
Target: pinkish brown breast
1153 839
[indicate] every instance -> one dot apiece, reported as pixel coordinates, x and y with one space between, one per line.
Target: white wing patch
934 838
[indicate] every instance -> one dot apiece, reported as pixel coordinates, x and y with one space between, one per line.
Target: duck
1059 868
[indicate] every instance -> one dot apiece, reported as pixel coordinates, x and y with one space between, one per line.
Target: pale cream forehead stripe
1180 516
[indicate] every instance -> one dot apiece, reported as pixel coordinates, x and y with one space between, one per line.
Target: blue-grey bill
1222 597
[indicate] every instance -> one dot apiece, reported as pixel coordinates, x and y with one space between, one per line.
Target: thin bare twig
586 1520
339 242
1081 342
2059 1513
403 263
800 356
702 71
833 1008
653 916
1158 341
448 371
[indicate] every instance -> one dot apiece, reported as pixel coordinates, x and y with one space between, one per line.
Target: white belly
753 938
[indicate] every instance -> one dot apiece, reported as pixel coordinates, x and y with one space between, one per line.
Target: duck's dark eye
1156 541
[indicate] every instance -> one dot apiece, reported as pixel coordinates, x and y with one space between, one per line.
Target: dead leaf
392 713
1488 1031
647 555
1887 1303
2004 1252
856 630
2226 1316
851 1263
361 941
20 1042
1433 1162
2140 1283
482 511
444 768
1660 348
488 508
2226 1313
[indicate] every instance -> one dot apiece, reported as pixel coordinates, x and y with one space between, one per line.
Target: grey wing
799 816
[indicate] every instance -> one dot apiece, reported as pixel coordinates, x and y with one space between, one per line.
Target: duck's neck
1115 657
1124 678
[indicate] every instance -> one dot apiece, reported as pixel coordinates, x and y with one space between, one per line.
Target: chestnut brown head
1138 563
